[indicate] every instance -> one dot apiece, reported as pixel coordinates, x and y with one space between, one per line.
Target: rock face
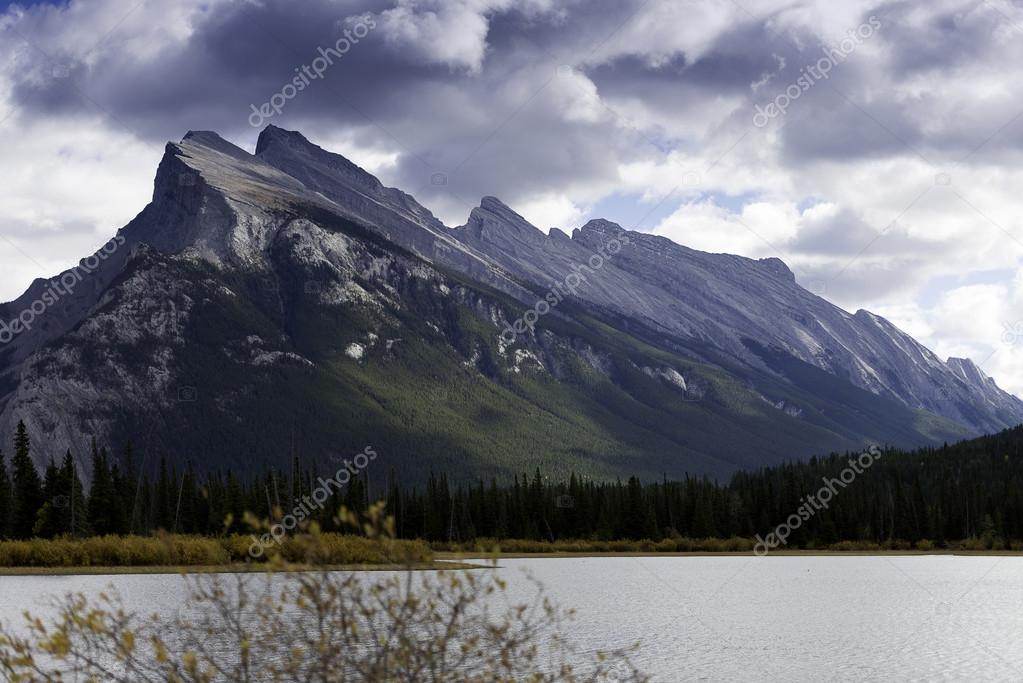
260 297
723 300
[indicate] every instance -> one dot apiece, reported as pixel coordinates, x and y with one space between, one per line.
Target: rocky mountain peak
353 189
495 222
778 267
203 159
969 371
216 200
292 153
600 226
495 205
596 233
212 140
274 135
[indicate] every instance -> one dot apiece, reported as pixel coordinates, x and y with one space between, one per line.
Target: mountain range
287 304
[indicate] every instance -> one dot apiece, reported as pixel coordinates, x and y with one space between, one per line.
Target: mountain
287 303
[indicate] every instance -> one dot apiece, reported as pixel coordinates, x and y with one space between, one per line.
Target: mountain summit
287 304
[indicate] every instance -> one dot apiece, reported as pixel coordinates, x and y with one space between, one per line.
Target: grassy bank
177 551
169 553
237 568
740 545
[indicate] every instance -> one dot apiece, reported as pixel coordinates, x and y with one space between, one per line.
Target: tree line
972 489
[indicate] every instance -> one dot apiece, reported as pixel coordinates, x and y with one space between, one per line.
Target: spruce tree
27 487
5 500
101 494
118 521
49 517
128 489
234 503
76 512
187 520
143 524
163 512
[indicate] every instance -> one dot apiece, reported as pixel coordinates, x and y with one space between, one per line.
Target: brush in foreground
313 626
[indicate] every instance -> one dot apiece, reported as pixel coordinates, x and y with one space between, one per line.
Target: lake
778 618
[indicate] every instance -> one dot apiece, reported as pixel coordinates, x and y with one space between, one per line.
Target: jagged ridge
293 210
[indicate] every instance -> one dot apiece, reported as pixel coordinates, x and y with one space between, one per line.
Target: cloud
66 189
452 33
884 183
552 211
981 321
755 230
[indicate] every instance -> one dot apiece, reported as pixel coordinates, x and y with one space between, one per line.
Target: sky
874 147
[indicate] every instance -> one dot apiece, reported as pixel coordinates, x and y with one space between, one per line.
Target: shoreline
454 557
455 560
239 568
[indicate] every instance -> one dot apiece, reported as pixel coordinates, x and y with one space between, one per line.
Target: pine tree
118 523
75 513
49 517
144 509
188 521
234 506
162 498
101 495
28 489
127 491
5 500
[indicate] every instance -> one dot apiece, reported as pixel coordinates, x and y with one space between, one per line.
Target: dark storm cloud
946 39
507 124
907 91
739 57
827 124
238 54
241 53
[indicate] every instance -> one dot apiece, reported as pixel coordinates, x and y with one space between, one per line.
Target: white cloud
551 211
449 32
67 188
755 231
452 33
379 162
982 322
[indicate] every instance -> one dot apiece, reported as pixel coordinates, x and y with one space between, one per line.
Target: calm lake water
921 618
